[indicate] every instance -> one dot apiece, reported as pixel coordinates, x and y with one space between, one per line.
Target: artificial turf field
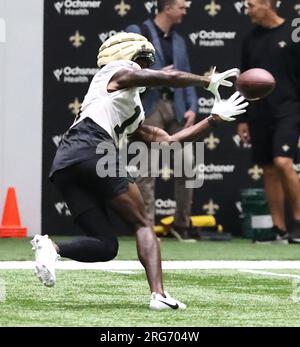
215 297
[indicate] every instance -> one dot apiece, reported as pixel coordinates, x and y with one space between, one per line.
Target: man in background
167 108
273 124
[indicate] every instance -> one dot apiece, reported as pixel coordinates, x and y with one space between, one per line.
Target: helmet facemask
146 55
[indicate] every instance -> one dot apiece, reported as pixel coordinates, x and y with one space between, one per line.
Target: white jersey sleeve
119 113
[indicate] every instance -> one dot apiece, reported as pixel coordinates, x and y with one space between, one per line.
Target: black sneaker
294 235
182 234
273 236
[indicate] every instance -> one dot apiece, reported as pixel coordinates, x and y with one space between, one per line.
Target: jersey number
120 129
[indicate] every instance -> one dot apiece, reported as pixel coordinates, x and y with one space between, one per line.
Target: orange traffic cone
11 223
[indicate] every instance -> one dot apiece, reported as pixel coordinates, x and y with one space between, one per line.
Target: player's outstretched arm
223 110
169 78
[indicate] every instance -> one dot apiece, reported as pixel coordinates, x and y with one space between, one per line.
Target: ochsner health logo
76 7
76 74
211 38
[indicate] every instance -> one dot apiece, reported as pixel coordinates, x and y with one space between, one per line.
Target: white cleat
45 257
159 302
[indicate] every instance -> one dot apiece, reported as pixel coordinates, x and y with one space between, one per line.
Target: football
255 84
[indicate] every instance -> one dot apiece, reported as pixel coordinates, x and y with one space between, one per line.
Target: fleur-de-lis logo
166 173
77 39
211 141
75 106
211 207
213 8
282 44
256 172
286 148
122 8
297 8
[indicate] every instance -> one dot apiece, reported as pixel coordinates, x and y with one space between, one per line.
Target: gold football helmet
125 46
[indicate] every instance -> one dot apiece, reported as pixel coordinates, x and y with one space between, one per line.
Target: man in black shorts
111 110
273 123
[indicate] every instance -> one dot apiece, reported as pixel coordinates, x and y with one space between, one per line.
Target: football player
111 109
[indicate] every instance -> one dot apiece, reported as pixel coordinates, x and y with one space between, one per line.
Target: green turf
104 299
237 249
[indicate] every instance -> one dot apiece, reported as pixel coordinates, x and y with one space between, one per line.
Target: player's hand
228 109
220 79
244 133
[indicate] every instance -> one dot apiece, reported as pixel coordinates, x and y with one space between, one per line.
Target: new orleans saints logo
211 207
286 148
77 39
211 141
75 106
256 172
213 8
282 44
297 8
122 8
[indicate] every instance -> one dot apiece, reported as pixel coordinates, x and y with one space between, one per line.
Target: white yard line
123 265
124 272
267 273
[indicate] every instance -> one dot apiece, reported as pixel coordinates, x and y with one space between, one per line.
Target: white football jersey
119 113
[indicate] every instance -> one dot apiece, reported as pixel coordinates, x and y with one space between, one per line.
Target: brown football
255 84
